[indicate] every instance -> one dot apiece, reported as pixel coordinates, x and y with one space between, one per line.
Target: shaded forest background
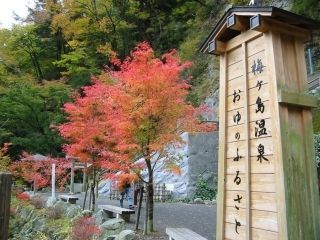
59 47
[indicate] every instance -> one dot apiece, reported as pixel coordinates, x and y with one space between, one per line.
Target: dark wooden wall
5 195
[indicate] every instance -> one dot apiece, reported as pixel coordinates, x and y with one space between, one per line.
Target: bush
24 196
179 200
55 212
85 228
58 228
40 236
38 201
203 190
13 211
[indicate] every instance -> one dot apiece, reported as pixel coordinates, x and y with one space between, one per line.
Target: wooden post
5 197
267 186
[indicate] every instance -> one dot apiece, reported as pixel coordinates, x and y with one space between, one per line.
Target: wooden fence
5 196
160 194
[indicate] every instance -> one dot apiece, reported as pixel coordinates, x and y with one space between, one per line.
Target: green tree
25 42
28 114
308 8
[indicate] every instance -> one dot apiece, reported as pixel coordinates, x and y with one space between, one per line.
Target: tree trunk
97 185
92 190
34 186
150 205
36 65
90 197
85 197
38 68
59 43
146 218
149 201
93 200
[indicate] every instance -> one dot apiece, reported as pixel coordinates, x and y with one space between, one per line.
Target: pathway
197 217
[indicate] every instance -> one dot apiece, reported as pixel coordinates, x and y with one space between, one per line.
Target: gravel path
198 217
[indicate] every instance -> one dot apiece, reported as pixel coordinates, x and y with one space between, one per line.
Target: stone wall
284 4
202 159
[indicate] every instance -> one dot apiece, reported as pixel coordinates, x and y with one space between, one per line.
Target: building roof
223 33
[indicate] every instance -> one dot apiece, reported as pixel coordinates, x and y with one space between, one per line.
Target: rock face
284 4
202 160
62 206
212 101
29 223
198 156
113 224
56 223
100 217
73 211
111 227
198 201
126 235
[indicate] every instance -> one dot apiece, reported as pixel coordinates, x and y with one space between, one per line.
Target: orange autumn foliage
135 111
140 110
152 98
38 172
91 130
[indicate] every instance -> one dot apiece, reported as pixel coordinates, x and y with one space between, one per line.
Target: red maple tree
151 96
38 172
135 111
92 133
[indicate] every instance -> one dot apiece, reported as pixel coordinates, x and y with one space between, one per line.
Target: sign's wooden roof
222 33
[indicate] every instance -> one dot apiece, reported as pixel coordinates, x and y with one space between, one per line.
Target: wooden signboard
267 186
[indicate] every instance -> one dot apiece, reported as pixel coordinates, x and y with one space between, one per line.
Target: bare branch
156 161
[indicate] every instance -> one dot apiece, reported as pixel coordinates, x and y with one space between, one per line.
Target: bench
183 234
69 198
123 213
